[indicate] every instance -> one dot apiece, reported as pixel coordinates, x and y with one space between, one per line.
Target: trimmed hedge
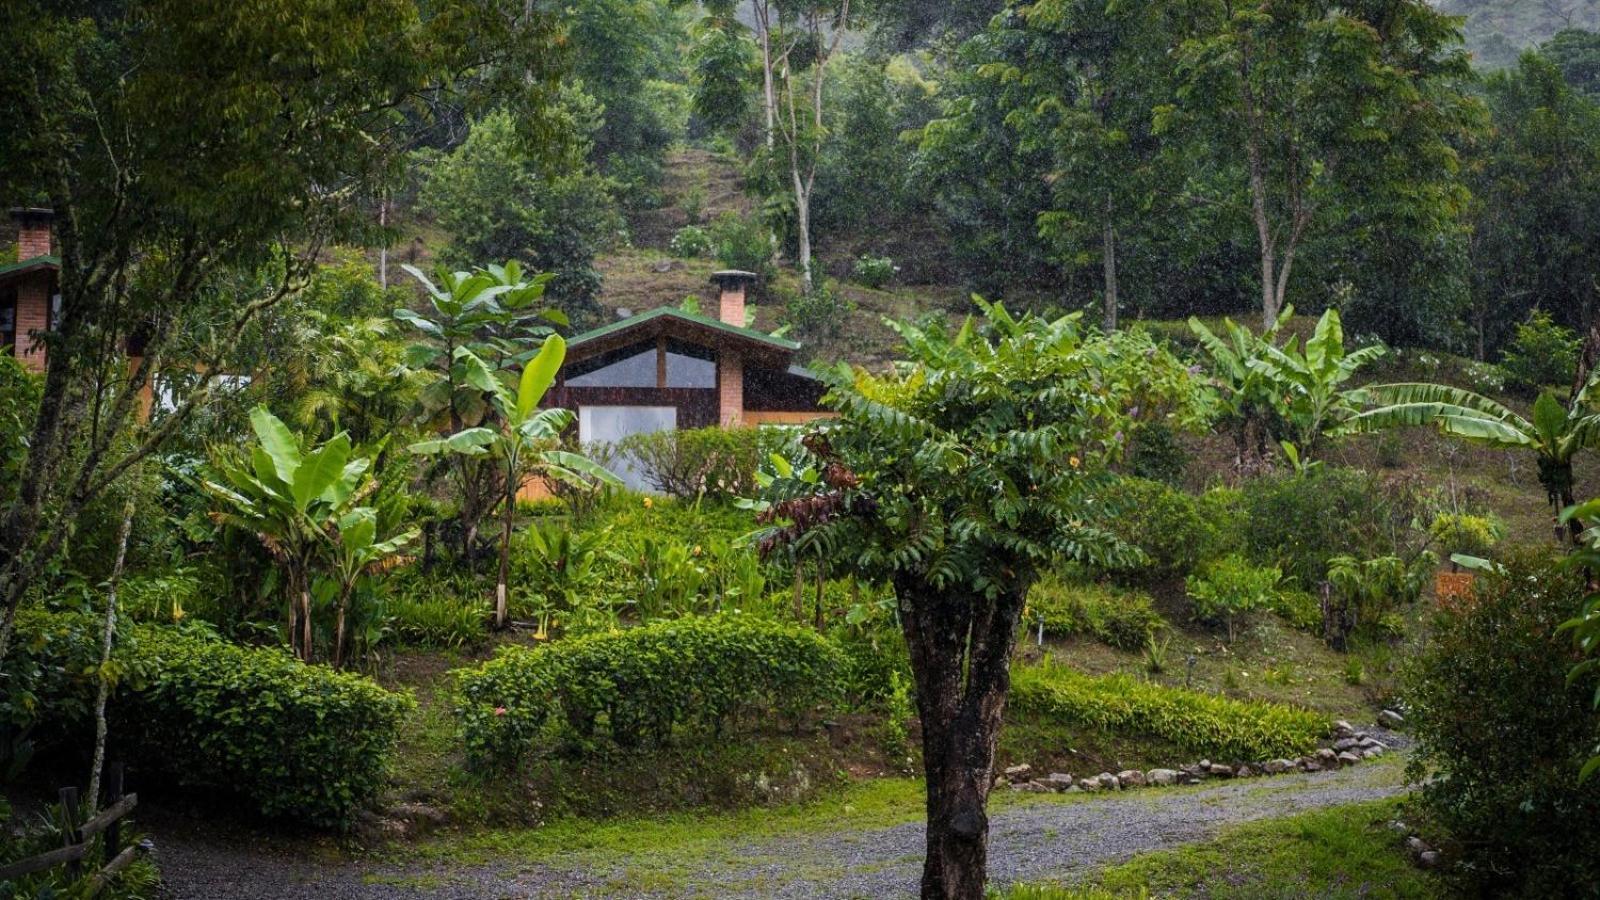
640 684
1125 619
1205 724
296 741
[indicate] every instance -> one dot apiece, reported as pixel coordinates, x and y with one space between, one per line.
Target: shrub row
296 741
640 684
1125 619
1201 723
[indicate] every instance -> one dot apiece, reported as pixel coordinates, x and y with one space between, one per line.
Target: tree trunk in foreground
103 693
960 646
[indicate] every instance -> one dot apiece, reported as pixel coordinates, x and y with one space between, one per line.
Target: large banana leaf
470 442
279 442
1456 421
320 470
545 424
539 374
1407 393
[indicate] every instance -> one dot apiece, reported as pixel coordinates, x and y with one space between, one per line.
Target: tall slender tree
1308 97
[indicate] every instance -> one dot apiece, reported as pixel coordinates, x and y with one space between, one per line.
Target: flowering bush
874 271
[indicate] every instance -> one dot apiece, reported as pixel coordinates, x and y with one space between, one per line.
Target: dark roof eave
32 264
719 328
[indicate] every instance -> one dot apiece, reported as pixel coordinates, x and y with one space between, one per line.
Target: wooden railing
79 838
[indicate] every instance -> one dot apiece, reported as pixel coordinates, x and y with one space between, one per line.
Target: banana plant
1285 394
496 314
1246 404
292 501
1554 435
523 439
354 551
1307 388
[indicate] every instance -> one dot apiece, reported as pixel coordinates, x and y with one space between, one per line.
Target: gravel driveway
1050 838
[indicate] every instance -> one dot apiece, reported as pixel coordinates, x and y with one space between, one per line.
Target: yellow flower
696 549
649 503
1074 462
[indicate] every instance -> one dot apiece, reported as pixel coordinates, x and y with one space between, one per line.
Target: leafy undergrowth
1049 745
1342 852
1203 724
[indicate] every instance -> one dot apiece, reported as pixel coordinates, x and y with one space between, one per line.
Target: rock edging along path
1050 838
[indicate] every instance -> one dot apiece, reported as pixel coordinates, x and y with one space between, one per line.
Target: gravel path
1050 838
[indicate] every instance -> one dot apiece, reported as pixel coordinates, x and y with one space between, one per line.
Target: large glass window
609 424
8 317
689 366
634 367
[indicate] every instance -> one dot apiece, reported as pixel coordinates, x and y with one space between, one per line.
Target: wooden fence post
69 826
113 794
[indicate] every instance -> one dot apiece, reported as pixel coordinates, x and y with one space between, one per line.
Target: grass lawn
1345 851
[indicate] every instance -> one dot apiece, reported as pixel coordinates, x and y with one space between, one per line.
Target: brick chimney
33 231
732 285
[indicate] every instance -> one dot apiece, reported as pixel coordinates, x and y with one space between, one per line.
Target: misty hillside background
1498 30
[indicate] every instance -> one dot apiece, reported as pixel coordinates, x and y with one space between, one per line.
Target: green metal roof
53 262
674 312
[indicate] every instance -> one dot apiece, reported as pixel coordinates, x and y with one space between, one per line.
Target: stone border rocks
1348 747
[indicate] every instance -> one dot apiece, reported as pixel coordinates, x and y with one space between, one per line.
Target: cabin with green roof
30 293
669 368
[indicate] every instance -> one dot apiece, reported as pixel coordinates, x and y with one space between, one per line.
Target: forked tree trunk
960 646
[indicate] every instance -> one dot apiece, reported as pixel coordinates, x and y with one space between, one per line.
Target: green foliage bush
1502 735
743 244
1155 453
424 610
1541 354
1174 529
1124 619
1300 521
1231 587
819 313
499 203
302 742
690 241
690 462
19 401
1204 724
640 684
873 271
1366 594
295 741
1301 609
1470 535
